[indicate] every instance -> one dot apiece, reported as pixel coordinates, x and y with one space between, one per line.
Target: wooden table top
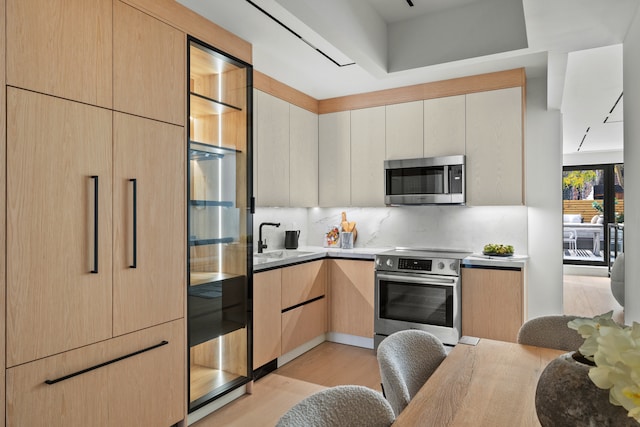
490 384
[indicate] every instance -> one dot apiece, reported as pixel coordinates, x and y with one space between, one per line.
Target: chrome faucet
261 245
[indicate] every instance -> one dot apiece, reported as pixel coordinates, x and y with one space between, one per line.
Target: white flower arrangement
615 350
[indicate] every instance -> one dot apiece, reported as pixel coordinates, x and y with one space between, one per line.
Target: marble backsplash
445 227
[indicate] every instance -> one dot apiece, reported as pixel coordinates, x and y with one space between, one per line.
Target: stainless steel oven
418 289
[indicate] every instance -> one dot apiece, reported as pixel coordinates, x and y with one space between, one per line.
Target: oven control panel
441 266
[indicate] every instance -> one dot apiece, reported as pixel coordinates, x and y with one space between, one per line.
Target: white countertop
310 253
479 260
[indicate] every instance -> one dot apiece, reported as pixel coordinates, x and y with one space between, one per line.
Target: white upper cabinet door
404 130
272 143
444 126
303 159
367 156
334 174
494 171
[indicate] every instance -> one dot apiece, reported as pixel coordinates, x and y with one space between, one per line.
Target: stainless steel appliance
425 181
418 289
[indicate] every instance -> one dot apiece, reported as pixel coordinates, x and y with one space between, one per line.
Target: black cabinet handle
135 223
95 224
84 371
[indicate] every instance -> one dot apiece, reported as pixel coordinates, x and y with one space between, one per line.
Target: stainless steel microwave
425 181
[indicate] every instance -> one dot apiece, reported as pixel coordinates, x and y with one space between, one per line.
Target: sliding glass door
593 197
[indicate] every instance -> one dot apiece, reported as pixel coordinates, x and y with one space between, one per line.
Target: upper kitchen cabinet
59 222
494 147
404 131
303 157
61 48
444 126
148 66
219 223
367 156
272 150
334 159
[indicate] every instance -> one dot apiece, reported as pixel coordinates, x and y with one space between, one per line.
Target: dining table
483 383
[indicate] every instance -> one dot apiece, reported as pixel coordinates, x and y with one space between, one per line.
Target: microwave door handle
419 280
446 179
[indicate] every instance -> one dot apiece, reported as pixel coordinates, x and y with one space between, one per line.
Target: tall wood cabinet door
148 66
62 48
494 148
272 146
492 303
267 317
367 156
54 301
404 130
303 157
334 174
150 259
351 296
444 126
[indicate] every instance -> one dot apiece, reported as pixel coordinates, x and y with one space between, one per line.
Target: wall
543 156
631 71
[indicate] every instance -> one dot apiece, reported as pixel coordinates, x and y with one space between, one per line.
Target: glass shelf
212 203
204 106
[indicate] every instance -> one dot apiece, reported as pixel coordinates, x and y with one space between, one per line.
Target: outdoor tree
577 180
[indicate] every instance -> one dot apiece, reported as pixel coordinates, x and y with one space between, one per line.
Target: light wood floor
332 364
588 296
326 365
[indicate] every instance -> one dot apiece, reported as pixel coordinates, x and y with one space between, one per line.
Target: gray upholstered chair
345 405
407 359
617 279
551 332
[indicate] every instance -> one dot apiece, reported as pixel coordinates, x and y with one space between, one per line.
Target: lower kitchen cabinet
289 309
134 379
267 316
351 296
302 324
492 303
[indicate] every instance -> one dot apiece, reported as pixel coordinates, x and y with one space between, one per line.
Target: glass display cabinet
219 221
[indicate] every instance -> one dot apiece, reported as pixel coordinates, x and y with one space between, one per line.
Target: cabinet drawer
146 388
303 323
303 282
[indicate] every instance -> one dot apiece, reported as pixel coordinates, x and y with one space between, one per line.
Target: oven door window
417 303
420 180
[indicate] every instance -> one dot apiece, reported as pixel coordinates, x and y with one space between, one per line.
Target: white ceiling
575 43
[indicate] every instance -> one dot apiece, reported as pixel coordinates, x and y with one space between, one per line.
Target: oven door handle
432 280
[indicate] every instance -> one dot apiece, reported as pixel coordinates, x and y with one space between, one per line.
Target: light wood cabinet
303 324
367 156
494 148
272 150
351 297
404 130
148 66
334 174
150 259
61 48
492 303
267 317
303 282
444 126
114 394
54 301
303 157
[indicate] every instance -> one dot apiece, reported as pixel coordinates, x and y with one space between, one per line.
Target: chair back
406 360
551 332
346 405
